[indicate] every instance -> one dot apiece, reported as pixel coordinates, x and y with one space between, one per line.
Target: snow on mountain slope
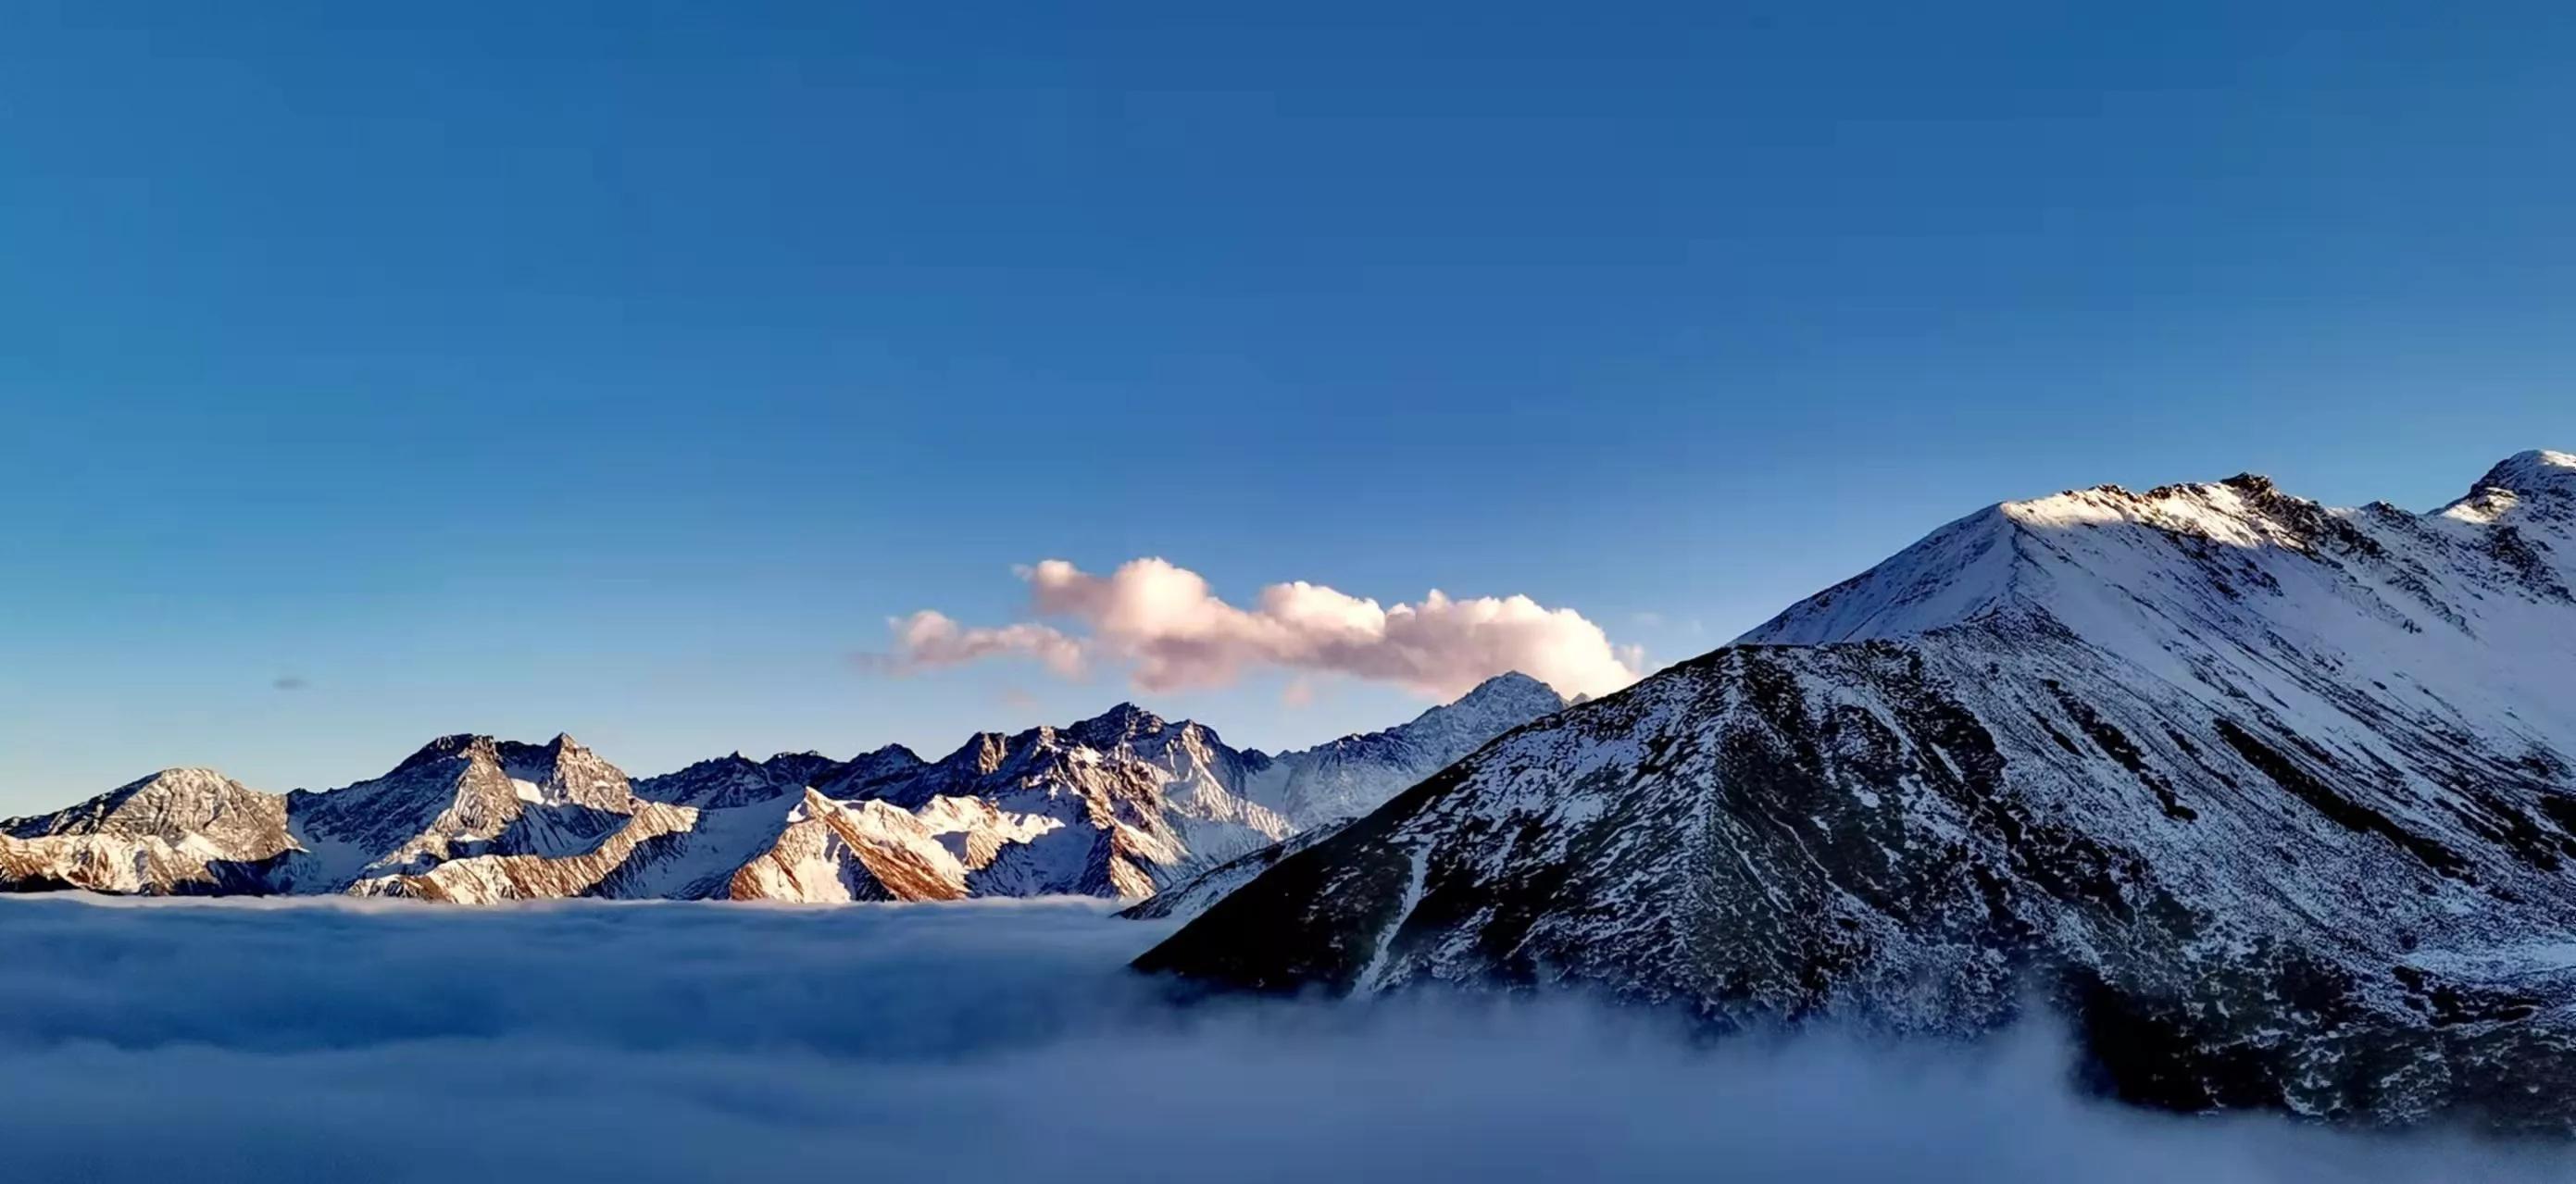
832 852
2277 802
2204 584
486 874
753 828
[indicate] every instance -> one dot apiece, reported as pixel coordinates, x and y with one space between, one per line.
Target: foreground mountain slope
1200 892
2275 800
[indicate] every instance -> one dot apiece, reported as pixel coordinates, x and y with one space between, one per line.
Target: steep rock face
2274 800
177 832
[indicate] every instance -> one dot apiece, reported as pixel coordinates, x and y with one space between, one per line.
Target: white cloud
927 639
1175 632
428 1044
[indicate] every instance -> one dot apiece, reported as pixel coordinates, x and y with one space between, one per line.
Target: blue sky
620 368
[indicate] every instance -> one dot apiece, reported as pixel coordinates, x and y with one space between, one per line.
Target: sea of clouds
332 1041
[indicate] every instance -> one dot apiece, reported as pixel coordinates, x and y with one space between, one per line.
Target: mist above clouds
1174 632
1003 1041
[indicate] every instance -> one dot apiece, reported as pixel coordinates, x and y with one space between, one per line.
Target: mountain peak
2252 483
887 758
449 748
2537 482
1124 722
1510 684
173 804
1457 727
184 774
2216 552
2534 472
182 779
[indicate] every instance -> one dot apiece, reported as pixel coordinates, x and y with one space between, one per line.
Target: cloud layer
227 1041
1174 632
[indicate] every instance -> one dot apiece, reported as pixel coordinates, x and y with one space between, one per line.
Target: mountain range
1117 805
2274 803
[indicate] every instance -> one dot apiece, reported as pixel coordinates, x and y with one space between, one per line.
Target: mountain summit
2539 472
2276 801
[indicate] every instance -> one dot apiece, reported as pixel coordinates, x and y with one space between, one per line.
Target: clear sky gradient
619 368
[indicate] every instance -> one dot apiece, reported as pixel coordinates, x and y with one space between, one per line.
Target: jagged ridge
1117 805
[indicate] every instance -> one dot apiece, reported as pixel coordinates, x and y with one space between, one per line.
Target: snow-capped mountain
472 818
1117 805
2277 802
177 832
1103 807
